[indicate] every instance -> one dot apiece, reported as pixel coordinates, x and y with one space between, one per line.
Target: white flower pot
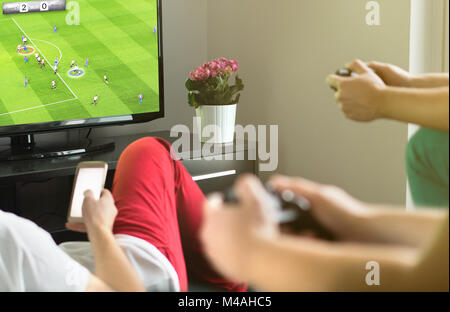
215 123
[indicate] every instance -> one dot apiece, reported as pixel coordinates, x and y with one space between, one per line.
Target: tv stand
24 147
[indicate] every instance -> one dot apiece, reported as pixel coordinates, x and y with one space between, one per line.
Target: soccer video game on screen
91 58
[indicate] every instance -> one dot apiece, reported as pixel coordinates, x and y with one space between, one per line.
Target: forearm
425 107
388 225
434 80
111 264
297 264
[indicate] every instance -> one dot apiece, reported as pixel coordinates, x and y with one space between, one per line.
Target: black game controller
293 212
344 72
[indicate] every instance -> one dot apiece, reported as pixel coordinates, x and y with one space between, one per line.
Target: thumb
377 66
88 194
303 187
254 197
359 67
334 81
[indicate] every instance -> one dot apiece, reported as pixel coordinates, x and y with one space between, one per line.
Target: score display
34 6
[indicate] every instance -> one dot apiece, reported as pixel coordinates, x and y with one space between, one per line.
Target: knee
147 145
147 149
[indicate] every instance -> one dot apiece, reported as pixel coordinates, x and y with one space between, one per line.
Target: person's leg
31 261
158 201
427 160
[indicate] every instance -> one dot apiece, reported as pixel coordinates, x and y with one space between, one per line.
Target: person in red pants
143 236
158 202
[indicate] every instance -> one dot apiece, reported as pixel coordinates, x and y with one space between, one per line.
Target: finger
107 196
254 198
213 202
334 81
299 186
376 66
211 205
249 190
89 194
337 96
358 67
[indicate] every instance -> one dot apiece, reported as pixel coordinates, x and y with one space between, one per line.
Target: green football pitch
117 38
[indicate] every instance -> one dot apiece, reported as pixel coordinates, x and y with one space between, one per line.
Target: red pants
158 201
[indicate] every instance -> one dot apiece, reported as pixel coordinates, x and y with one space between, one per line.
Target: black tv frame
35 128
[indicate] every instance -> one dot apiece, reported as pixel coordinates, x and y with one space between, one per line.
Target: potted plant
214 99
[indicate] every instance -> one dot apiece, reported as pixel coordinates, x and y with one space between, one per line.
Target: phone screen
87 179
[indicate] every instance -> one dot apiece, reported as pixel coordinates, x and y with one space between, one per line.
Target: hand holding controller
294 212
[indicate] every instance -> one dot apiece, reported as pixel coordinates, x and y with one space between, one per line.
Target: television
77 64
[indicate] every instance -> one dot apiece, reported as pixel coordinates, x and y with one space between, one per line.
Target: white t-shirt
31 261
155 270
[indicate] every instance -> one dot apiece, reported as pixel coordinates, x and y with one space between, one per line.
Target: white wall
286 49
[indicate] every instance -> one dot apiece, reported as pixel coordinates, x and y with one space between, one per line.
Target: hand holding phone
89 176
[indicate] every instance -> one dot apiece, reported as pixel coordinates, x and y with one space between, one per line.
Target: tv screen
79 63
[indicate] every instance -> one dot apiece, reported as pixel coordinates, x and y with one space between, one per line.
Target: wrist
360 222
413 81
253 255
383 101
257 246
95 232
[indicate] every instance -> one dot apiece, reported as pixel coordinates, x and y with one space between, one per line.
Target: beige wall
286 48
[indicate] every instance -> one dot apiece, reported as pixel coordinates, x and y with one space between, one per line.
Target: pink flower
218 67
213 65
234 65
198 74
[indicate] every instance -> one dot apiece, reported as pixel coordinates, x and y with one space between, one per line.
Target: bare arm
114 271
432 80
384 91
111 264
298 264
395 76
425 107
409 246
354 220
244 244
389 225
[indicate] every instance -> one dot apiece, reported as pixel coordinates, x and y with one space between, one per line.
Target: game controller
344 72
293 212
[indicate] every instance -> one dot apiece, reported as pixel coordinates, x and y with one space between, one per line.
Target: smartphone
90 175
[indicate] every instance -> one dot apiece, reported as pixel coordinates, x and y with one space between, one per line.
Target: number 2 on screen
23 7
